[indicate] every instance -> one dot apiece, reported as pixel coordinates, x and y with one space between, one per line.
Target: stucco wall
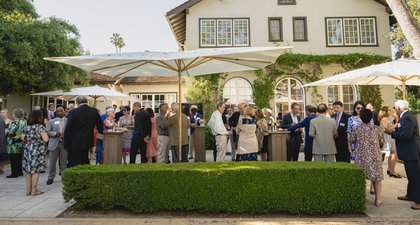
315 11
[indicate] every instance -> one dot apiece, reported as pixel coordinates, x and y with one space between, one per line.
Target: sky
141 23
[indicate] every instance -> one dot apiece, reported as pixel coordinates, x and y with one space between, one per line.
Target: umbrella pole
404 90
179 117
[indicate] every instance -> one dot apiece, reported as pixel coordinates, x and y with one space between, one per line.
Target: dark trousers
137 147
175 153
343 153
412 168
16 164
308 153
293 147
78 157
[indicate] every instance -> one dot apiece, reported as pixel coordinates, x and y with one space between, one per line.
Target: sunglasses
359 107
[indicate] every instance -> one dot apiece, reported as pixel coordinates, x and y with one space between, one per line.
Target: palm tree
120 44
115 39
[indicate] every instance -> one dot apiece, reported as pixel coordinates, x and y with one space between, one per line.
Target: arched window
236 90
289 91
344 93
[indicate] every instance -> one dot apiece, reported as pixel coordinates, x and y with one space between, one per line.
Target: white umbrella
94 92
400 72
198 62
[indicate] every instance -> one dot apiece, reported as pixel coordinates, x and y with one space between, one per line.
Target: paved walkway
16 208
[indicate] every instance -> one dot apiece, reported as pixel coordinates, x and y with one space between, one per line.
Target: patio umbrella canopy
400 72
185 63
94 92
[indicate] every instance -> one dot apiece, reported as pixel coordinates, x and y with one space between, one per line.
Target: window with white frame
344 93
224 32
289 91
155 99
351 31
236 90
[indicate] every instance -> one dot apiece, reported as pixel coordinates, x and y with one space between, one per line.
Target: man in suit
341 118
171 122
78 134
3 152
195 117
294 139
305 123
55 129
407 140
141 133
323 130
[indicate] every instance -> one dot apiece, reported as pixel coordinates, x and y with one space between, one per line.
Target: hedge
242 187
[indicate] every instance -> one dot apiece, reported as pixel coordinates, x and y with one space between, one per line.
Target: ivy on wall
309 69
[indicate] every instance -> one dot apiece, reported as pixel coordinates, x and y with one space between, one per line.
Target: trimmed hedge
255 187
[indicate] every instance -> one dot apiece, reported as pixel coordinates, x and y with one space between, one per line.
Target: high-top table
112 147
277 147
200 144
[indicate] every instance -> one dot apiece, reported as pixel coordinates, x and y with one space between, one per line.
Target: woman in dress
368 139
35 153
262 134
247 142
126 122
14 142
353 122
389 120
152 143
3 131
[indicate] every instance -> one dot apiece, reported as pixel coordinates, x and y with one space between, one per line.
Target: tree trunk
408 23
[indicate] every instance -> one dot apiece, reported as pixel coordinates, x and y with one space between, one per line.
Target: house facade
315 27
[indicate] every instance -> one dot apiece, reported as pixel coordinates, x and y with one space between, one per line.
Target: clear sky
141 23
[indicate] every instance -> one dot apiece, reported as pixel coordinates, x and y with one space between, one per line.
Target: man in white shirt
219 131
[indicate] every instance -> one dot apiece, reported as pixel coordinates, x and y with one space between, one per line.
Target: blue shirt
193 118
305 123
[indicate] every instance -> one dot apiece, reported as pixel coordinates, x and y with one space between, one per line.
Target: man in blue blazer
341 120
407 139
294 139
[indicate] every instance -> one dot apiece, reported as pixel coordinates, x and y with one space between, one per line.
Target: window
286 2
154 100
224 32
344 93
236 90
289 91
275 29
351 31
368 31
300 29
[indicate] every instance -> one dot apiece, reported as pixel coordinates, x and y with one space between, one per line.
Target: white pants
324 158
163 148
221 146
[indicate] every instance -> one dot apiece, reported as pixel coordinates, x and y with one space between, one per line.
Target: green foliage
209 139
371 94
118 42
206 89
307 68
25 40
254 187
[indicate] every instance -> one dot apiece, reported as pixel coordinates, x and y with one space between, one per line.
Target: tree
405 11
25 40
118 42
403 43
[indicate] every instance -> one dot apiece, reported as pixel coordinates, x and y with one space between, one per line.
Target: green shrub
254 187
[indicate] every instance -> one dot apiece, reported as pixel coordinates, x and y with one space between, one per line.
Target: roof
96 78
177 19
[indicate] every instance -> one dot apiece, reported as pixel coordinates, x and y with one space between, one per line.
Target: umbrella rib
371 80
188 65
204 60
396 78
117 65
165 65
132 69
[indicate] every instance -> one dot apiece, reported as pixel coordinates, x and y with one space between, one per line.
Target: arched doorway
236 90
288 91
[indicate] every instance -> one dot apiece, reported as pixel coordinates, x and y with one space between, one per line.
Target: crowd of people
67 135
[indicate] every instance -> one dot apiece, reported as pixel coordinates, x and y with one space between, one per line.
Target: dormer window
286 2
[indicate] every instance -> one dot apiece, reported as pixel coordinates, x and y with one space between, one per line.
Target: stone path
16 208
